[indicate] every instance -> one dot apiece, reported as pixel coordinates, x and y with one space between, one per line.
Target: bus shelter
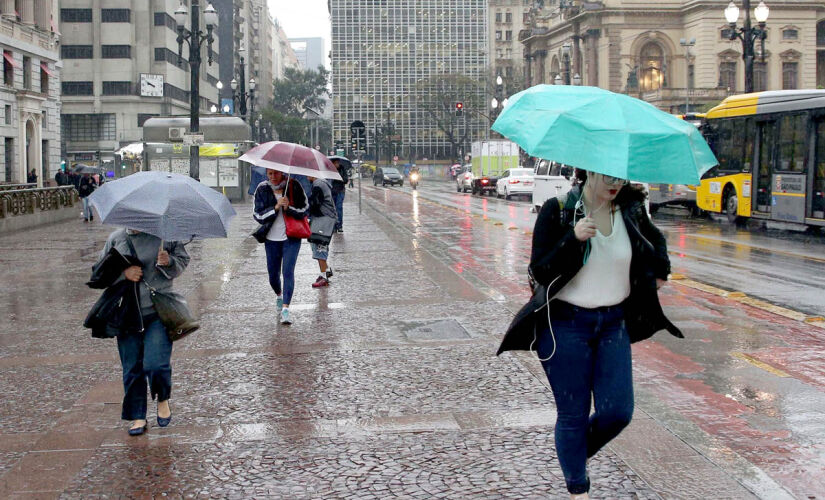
225 139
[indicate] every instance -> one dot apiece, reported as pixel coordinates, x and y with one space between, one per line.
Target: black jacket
341 186
264 212
117 310
557 256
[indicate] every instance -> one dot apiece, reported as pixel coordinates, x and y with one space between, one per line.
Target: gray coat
146 245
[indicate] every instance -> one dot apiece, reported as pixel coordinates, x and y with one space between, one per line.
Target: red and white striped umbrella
292 159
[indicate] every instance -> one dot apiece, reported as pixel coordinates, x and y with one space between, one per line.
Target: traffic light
459 108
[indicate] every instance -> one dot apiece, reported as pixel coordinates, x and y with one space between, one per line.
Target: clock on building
151 85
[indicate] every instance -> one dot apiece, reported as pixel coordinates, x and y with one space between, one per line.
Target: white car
551 180
515 181
464 180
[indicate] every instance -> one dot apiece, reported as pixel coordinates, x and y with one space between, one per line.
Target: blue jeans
338 199
87 208
145 356
282 255
592 358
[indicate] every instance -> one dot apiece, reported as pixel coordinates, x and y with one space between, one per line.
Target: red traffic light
459 106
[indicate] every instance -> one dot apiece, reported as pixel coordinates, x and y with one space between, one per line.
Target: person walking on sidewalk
596 265
274 200
86 187
321 206
339 191
145 348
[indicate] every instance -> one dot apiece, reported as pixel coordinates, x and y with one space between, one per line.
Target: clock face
151 85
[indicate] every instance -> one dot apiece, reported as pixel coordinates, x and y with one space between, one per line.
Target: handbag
322 229
297 227
173 312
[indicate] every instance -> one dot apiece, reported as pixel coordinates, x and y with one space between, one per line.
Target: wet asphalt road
782 267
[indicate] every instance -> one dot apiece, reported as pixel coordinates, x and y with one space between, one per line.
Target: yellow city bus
771 151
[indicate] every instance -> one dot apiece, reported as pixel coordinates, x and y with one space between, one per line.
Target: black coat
557 256
117 310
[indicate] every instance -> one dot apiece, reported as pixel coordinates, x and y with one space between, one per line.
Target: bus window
818 195
555 169
542 168
792 144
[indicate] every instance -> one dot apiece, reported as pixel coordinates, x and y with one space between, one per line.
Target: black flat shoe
163 422
137 431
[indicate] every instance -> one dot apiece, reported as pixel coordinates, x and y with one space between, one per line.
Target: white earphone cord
549 324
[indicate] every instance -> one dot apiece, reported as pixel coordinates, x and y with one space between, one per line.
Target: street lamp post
243 97
687 44
194 38
747 34
389 149
498 102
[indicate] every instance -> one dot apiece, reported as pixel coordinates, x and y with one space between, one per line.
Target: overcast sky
303 18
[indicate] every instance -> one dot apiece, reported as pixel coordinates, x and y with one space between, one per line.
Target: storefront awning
45 67
8 57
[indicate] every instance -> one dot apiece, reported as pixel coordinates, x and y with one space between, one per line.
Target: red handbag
297 227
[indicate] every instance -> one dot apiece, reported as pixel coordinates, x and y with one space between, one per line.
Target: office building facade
121 67
310 52
29 91
388 60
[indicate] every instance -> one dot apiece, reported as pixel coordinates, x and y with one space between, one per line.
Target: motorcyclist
415 176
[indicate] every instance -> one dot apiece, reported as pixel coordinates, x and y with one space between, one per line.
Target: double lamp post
565 57
748 34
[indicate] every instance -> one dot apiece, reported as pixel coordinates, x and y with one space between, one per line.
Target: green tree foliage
300 89
439 95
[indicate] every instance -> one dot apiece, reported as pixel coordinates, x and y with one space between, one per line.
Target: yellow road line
759 364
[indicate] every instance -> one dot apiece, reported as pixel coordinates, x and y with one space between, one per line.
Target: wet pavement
387 384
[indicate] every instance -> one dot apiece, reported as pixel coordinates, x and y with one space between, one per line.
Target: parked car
516 181
464 179
550 180
387 175
673 194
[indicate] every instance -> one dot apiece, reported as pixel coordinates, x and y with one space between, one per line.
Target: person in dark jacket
339 191
144 347
275 198
85 188
597 262
321 206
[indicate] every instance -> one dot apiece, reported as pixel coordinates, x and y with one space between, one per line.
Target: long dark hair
628 193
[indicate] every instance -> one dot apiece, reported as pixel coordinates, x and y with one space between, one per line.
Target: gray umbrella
170 206
87 169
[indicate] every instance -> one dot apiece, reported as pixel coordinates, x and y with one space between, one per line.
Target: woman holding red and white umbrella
276 200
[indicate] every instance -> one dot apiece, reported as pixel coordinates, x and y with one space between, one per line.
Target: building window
164 54
508 35
789 75
8 68
760 76
725 33
164 19
45 122
115 15
116 51
101 127
75 15
117 88
44 79
652 61
525 18
727 75
498 17
27 72
76 51
508 17
175 93
790 34
8 114
498 35
820 34
77 88
508 72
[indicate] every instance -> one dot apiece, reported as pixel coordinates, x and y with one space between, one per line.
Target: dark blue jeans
282 255
338 198
592 358
145 356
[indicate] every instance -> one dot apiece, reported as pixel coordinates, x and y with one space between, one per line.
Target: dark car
387 175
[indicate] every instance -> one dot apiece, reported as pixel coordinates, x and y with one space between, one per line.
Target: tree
300 89
439 96
289 128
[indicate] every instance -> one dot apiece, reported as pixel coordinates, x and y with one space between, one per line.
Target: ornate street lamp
243 98
687 44
194 38
747 34
565 56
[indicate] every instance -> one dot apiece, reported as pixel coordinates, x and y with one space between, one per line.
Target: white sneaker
285 319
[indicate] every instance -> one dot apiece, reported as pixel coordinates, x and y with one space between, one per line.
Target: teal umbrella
601 131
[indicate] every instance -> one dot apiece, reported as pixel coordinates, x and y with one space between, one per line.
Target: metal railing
14 187
28 201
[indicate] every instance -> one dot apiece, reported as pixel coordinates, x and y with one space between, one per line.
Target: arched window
652 64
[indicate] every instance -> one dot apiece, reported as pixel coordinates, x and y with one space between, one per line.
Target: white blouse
604 280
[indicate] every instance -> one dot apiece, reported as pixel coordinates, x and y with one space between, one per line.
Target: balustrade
14 202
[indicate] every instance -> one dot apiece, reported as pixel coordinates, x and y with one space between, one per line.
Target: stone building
121 67
644 48
30 91
282 54
506 20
